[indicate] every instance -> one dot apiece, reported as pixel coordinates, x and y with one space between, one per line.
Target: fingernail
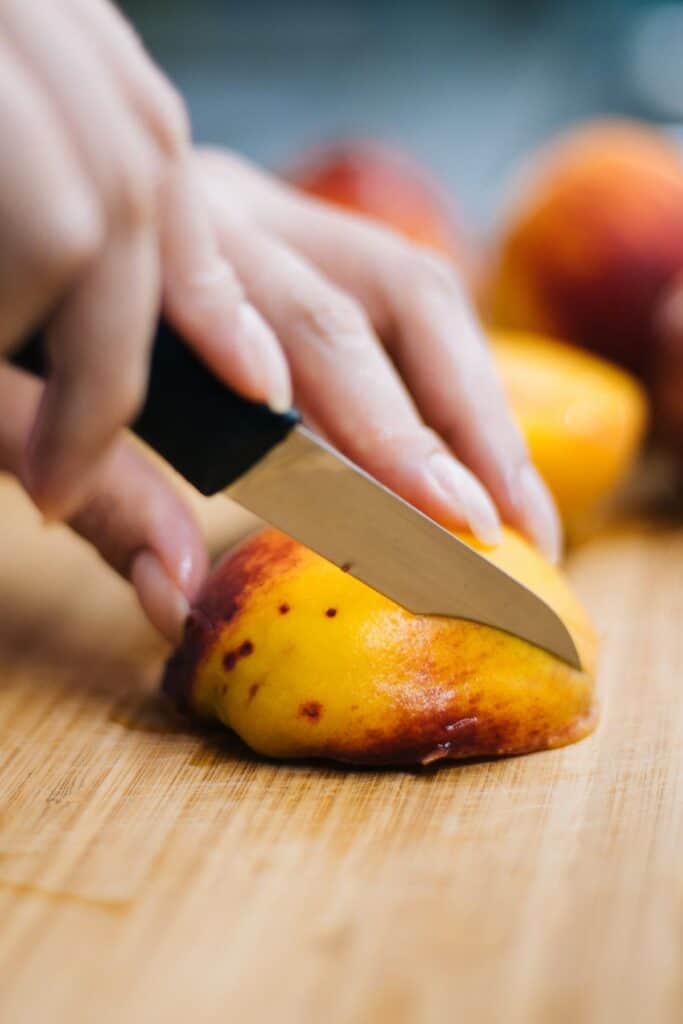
539 512
185 570
467 497
164 603
268 362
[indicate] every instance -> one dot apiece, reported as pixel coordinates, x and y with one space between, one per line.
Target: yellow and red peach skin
302 660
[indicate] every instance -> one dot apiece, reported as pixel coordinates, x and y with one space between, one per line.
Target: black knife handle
208 433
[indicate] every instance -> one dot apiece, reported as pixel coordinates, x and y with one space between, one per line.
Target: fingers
98 349
201 292
417 305
51 220
204 298
135 519
441 354
99 336
142 527
123 144
151 95
118 156
345 383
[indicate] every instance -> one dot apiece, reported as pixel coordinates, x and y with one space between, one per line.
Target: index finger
346 384
442 354
422 314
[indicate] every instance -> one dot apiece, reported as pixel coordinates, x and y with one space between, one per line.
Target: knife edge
309 490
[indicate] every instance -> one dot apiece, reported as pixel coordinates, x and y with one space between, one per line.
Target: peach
668 370
302 660
592 240
388 186
583 419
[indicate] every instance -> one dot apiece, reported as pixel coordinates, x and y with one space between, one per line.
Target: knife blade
277 468
307 489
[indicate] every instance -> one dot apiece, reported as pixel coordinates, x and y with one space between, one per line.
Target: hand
98 208
386 357
103 217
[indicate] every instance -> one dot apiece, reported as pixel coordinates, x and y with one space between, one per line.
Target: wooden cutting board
150 873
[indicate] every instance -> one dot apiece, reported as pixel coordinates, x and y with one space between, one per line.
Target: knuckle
334 319
427 441
134 192
72 234
407 443
203 295
170 120
431 272
202 288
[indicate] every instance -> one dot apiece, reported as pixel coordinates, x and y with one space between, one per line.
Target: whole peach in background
591 241
386 185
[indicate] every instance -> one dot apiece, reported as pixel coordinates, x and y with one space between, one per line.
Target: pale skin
108 217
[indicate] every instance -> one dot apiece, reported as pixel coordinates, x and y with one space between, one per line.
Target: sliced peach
302 660
583 419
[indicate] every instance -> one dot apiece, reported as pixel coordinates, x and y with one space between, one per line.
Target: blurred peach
668 369
583 419
592 241
388 186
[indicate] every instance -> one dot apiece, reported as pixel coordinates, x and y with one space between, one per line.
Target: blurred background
467 87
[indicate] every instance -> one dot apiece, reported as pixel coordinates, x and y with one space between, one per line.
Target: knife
273 465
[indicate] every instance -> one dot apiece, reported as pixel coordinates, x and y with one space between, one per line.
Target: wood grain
150 873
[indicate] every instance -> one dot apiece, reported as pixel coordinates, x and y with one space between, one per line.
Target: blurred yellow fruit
582 417
302 660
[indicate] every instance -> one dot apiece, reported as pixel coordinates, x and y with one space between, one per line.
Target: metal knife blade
307 489
278 469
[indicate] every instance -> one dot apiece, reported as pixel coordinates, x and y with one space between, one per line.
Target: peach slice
303 661
583 419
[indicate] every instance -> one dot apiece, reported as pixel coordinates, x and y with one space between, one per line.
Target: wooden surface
149 873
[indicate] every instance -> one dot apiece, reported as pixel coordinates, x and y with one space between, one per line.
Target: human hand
103 214
387 359
99 209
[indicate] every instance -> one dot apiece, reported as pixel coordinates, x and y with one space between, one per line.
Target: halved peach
302 660
583 419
